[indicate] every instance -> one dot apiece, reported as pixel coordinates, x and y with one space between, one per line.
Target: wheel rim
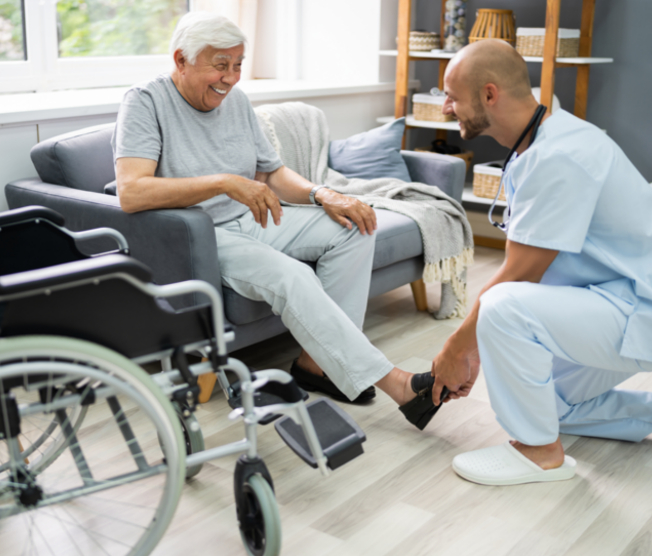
253 527
260 523
116 520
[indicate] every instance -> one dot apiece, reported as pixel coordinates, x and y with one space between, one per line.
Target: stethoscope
534 124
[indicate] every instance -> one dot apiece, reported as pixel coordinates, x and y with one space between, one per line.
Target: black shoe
316 383
421 409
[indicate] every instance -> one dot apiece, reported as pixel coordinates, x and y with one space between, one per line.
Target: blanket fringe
452 271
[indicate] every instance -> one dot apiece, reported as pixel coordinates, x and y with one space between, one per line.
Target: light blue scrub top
575 191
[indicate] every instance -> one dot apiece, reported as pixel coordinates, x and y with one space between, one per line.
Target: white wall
341 40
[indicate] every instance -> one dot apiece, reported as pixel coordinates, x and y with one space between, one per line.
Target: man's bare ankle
548 456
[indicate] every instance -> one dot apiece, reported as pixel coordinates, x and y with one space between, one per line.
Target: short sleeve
553 201
137 132
267 159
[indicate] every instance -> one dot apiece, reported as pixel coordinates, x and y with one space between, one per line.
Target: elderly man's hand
257 196
345 209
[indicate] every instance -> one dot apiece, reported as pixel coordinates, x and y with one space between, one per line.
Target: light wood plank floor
402 497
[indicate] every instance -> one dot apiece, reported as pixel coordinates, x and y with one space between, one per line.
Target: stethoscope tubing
534 124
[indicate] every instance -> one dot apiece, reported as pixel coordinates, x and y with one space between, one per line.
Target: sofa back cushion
371 154
81 159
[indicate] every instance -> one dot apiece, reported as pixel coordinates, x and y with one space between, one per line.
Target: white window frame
45 71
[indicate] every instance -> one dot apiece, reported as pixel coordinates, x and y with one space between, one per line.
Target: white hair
197 30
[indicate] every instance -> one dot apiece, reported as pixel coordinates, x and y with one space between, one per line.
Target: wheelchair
94 451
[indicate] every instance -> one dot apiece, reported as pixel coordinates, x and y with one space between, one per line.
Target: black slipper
323 384
421 409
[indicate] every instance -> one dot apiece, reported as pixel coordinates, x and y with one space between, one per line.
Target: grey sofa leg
420 295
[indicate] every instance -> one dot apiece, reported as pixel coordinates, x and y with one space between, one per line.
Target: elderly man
191 138
568 316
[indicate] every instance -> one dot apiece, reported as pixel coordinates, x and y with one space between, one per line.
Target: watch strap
312 194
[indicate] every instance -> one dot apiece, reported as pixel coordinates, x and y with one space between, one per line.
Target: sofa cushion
240 310
82 159
371 154
398 239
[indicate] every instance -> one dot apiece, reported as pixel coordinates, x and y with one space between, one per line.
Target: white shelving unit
412 122
469 197
441 55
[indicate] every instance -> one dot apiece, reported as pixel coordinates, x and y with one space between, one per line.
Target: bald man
568 316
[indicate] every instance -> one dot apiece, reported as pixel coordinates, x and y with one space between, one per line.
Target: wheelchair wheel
114 476
261 527
39 448
193 437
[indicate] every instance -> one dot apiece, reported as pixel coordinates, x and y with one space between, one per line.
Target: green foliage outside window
116 27
11 31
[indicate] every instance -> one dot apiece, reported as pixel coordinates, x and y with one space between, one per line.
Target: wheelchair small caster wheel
260 522
194 439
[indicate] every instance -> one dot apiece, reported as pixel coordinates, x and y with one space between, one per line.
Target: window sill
38 107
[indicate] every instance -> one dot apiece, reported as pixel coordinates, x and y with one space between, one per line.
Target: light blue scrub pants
551 359
324 309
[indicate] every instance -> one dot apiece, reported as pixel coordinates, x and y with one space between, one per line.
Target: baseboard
494 243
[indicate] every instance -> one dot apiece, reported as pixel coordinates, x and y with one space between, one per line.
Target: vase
455 22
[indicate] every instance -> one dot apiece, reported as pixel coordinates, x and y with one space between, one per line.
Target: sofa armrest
444 171
177 244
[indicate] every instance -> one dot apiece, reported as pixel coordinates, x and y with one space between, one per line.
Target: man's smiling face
206 83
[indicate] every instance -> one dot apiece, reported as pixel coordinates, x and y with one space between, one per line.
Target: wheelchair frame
177 384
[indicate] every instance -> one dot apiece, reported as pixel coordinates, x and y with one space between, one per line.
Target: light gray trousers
323 309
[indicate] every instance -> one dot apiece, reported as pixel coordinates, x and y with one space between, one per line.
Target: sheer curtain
244 14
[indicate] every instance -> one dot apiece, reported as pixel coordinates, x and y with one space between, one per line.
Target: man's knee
502 306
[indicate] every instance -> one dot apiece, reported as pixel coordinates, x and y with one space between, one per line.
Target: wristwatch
312 194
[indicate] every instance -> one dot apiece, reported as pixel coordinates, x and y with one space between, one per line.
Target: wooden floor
401 497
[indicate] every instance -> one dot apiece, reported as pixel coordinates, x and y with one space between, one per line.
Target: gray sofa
179 244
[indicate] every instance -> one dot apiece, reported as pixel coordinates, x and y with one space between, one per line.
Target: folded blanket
300 135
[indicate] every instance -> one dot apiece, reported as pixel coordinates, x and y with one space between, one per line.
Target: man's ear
179 60
490 94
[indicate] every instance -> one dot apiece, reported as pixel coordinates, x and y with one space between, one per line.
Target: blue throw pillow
371 154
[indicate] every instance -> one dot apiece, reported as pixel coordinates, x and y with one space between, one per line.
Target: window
116 28
12 31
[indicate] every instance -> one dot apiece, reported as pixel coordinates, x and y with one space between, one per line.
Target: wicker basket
493 24
428 108
529 42
486 180
424 41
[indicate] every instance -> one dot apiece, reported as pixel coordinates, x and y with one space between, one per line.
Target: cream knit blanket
299 133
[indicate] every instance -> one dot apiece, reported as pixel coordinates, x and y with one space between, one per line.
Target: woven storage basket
486 180
424 41
529 42
428 108
493 24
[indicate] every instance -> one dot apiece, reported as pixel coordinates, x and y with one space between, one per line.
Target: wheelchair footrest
270 394
339 435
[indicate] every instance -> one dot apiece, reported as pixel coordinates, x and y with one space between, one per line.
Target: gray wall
620 98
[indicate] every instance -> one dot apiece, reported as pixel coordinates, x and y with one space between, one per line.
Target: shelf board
441 55
432 54
411 122
469 197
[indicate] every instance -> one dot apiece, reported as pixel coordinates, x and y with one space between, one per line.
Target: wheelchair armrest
77 271
176 244
33 212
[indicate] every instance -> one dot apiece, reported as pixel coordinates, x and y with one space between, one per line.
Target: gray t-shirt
156 122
